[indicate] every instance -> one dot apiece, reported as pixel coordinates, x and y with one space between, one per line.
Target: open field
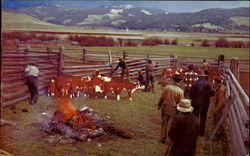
140 116
179 50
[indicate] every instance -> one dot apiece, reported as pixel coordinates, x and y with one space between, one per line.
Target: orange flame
65 107
67 111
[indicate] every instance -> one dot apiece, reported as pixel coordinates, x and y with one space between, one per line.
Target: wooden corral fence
14 89
236 112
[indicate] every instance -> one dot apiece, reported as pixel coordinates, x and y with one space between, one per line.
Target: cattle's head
52 87
106 79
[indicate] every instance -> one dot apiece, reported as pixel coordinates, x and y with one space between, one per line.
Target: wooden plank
30 56
241 91
86 66
15 101
6 86
12 95
239 139
241 122
233 139
244 115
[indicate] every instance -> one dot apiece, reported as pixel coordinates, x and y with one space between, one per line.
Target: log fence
52 63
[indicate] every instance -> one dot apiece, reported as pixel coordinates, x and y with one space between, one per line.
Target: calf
169 72
66 85
117 87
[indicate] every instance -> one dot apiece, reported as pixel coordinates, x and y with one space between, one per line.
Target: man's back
201 89
185 130
31 70
172 95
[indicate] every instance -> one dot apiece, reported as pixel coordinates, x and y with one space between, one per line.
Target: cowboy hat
177 77
185 106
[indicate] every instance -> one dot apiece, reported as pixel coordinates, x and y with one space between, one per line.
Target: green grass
140 116
179 50
241 20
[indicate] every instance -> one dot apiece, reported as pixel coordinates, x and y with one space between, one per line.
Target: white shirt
31 70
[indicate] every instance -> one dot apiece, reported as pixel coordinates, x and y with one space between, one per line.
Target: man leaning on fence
31 75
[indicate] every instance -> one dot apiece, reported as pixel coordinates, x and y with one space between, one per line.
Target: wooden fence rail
235 114
14 88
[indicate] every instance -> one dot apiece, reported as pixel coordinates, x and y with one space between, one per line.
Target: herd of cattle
101 86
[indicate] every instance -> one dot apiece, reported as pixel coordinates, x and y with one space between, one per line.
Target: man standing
171 95
141 78
189 78
184 131
150 75
31 75
200 93
124 67
205 66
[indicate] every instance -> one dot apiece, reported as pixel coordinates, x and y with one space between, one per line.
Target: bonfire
71 125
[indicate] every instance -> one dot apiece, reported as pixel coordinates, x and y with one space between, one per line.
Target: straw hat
185 106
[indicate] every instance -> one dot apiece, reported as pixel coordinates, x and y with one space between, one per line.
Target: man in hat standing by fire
200 93
184 131
31 75
171 95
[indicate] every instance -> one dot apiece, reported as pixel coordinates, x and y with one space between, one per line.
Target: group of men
184 110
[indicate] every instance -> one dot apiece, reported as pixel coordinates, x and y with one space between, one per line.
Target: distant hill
130 17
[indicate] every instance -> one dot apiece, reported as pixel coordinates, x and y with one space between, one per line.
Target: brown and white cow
117 87
169 72
66 85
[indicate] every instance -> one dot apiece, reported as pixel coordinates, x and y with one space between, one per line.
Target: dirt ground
27 139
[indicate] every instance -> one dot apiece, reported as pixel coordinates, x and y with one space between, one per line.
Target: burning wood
69 123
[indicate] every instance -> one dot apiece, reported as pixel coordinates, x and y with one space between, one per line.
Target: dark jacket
200 93
121 64
141 79
149 68
184 133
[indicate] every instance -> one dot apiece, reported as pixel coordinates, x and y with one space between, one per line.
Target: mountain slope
128 16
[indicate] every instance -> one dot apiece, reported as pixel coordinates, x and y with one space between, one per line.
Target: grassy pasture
241 20
140 116
179 50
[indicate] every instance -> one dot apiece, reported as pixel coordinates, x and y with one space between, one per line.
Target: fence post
110 56
173 60
17 48
48 50
84 51
148 58
26 51
61 61
234 66
124 55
